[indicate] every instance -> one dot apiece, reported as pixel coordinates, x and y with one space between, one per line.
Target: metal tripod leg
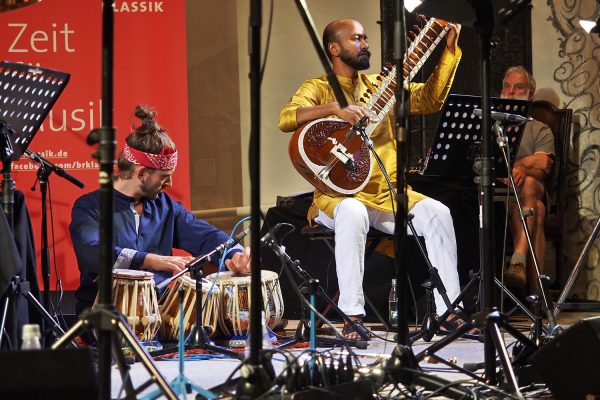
22 287
491 323
123 367
85 324
576 268
144 357
3 321
109 320
52 323
509 374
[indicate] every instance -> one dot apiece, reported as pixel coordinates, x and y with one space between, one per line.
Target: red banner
150 68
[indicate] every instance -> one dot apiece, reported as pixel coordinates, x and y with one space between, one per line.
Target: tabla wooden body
169 308
135 297
234 317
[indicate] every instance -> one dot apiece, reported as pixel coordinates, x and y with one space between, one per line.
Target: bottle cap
30 330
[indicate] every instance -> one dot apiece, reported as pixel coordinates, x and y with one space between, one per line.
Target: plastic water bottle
393 301
31 337
267 344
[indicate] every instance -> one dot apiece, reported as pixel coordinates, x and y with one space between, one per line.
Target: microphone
229 243
53 167
501 116
205 258
357 127
268 239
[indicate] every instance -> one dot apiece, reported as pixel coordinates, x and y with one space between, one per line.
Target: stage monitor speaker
47 374
569 363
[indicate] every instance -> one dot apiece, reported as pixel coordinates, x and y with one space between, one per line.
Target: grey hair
522 70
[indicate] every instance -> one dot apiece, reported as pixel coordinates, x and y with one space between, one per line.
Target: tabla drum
235 301
134 296
169 308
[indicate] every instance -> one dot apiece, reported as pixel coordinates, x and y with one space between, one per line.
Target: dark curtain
18 264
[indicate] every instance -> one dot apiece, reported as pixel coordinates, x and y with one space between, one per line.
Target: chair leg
319 322
557 263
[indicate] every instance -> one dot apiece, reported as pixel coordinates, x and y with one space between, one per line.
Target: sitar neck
424 42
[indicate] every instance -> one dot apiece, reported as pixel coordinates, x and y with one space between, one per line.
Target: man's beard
150 193
361 62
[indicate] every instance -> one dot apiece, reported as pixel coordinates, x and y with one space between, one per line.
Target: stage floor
210 373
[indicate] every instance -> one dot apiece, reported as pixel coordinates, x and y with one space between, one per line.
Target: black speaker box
47 374
569 364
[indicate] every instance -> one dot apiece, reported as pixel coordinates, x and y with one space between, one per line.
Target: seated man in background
148 222
533 163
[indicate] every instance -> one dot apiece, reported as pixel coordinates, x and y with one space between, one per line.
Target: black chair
320 232
559 121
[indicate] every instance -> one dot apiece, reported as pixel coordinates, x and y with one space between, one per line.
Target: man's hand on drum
240 262
166 263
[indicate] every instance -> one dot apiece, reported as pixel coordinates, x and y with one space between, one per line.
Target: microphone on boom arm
503 117
218 251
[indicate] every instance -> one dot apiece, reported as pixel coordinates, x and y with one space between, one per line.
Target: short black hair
329 35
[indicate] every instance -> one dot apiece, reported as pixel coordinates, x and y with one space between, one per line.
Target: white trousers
351 221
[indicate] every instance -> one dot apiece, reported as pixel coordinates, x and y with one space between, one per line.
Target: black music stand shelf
458 139
27 94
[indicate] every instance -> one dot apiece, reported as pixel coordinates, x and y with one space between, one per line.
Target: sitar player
350 217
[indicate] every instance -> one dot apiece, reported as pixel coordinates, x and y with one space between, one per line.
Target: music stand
27 94
458 139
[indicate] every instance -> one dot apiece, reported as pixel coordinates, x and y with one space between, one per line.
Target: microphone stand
256 378
402 108
8 184
45 169
502 141
313 290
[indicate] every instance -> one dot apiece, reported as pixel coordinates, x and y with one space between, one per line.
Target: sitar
330 153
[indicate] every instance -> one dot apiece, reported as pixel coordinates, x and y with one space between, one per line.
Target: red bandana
166 159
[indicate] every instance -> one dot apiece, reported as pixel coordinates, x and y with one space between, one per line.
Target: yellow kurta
424 99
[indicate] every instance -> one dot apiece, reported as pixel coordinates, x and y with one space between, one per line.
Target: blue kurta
165 224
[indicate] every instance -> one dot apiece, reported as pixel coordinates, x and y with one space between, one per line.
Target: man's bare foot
349 330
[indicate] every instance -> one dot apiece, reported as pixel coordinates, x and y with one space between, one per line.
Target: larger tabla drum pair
226 312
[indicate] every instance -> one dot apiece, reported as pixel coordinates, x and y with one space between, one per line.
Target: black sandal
453 322
357 326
